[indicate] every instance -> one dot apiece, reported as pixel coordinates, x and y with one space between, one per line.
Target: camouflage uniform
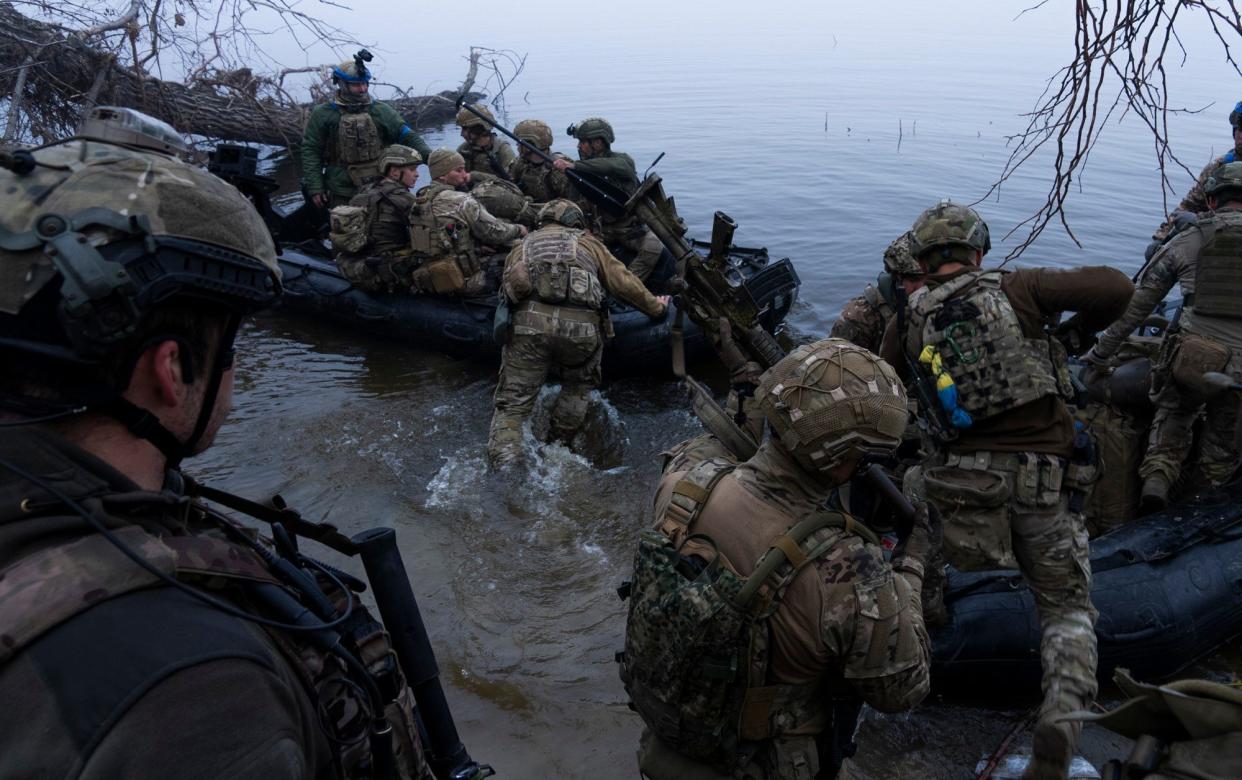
387 264
559 334
1002 487
106 669
542 182
1195 201
495 160
1217 336
476 234
504 199
842 624
864 318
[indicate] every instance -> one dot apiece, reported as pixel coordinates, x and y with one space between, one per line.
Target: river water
824 134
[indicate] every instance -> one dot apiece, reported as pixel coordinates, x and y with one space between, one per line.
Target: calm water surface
794 130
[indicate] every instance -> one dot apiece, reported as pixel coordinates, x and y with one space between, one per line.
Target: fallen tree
54 73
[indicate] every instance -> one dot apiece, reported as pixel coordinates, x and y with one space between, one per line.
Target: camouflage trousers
544 338
795 758
384 273
641 241
1172 432
1011 510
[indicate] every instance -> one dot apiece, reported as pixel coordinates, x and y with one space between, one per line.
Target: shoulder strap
689 496
52 586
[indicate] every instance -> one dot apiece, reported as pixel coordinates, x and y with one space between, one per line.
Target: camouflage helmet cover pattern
441 161
179 208
1225 178
398 155
564 211
535 132
348 71
467 119
899 260
832 400
592 127
945 225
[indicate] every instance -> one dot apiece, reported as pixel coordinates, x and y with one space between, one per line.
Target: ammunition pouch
441 277
350 228
1195 356
358 147
974 507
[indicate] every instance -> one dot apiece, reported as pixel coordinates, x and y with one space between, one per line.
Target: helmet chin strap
145 425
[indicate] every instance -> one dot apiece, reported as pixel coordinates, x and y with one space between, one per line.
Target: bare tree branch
1118 70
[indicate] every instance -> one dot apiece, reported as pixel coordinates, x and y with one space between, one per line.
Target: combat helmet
467 118
831 400
592 127
1235 116
564 211
1225 182
354 70
945 226
398 155
537 133
80 281
898 260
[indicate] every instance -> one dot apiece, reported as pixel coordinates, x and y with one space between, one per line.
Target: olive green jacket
319 171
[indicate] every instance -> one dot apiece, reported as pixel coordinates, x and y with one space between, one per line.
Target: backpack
350 229
695 658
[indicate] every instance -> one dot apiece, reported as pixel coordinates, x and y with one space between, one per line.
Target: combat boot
1155 495
1051 751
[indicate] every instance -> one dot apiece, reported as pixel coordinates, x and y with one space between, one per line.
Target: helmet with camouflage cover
945 226
398 155
534 132
829 401
80 281
441 161
1225 182
466 118
564 211
1235 116
898 259
592 127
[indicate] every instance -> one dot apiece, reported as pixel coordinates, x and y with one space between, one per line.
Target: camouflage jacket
390 220
848 617
496 160
454 206
320 173
542 182
170 687
1175 265
863 320
1038 296
1195 201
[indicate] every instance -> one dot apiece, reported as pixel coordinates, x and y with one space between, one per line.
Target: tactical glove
927 536
741 370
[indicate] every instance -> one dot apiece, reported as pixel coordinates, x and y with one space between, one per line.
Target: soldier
596 157
372 234
343 139
535 176
144 634
864 318
556 281
760 622
1207 336
482 150
1195 201
1000 477
451 226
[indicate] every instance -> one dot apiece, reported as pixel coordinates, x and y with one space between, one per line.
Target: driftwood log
56 75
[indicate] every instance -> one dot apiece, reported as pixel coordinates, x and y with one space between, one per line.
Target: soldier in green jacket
343 139
596 157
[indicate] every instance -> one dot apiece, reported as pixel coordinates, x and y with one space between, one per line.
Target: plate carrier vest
1218 270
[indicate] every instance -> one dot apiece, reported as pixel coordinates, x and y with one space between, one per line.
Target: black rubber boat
463 326
1168 588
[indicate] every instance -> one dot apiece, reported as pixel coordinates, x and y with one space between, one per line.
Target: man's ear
165 364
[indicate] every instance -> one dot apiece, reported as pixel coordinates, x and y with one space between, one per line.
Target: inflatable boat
1168 588
463 326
